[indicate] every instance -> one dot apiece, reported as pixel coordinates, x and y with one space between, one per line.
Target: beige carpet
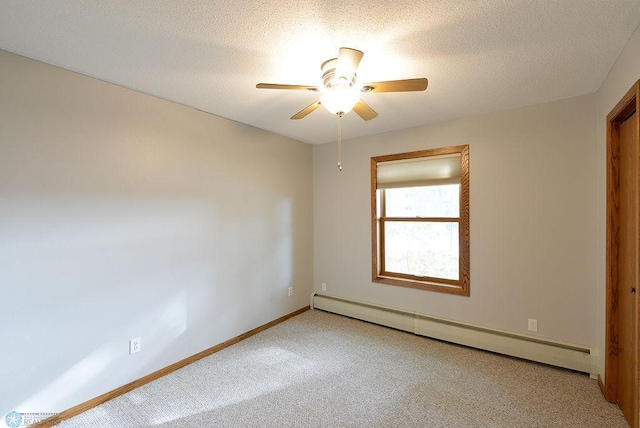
324 370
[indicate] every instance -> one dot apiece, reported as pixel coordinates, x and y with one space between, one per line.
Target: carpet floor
324 370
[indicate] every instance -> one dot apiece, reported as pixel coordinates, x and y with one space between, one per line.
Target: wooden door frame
625 107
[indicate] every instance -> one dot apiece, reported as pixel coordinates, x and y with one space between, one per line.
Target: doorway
622 373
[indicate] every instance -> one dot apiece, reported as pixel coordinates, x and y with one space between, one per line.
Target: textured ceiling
479 56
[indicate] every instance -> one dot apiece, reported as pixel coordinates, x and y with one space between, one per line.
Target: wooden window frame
461 286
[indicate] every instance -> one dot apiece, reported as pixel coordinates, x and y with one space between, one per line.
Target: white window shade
431 171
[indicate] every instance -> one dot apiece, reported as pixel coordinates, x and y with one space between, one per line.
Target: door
622 366
627 263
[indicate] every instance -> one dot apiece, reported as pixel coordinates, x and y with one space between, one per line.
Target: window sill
423 285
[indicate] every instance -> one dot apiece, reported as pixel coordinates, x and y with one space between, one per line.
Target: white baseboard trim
556 353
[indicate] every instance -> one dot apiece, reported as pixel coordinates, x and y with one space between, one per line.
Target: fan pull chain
340 141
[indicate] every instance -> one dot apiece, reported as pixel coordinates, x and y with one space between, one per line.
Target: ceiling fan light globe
340 99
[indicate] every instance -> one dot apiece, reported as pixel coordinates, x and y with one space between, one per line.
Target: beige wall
625 72
533 219
122 215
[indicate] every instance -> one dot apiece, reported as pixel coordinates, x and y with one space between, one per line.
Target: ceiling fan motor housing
329 75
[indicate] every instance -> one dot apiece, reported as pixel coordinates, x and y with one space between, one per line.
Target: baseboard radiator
560 354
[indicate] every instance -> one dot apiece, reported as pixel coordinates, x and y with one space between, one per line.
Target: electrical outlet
324 286
134 345
290 291
533 325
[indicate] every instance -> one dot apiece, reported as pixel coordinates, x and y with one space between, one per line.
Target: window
420 219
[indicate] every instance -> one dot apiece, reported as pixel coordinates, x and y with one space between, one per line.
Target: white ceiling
479 56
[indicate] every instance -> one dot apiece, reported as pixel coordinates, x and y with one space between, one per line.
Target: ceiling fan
341 88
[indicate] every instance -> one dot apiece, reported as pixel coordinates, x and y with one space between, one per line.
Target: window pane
422 249
428 201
